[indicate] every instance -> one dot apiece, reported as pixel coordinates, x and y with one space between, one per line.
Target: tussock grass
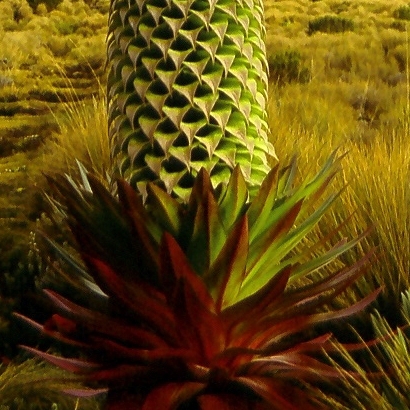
375 170
35 385
82 136
377 378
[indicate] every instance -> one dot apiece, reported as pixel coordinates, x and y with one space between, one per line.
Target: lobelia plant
195 287
198 304
187 89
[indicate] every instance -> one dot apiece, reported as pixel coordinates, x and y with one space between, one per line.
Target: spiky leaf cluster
189 304
187 90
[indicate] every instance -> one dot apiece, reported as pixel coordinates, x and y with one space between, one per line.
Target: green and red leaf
190 301
203 220
233 202
227 274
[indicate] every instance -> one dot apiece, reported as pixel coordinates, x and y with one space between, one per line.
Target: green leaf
176 114
190 129
266 254
254 307
203 220
164 209
205 103
197 67
262 205
287 178
309 191
323 260
226 275
233 202
276 252
211 141
212 76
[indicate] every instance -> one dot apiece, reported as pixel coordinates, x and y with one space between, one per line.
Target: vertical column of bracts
187 89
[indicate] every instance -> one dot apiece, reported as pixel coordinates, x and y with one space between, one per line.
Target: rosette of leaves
187 89
197 305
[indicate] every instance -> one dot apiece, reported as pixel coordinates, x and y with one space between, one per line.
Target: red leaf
117 351
109 326
119 375
202 186
122 401
313 345
233 357
174 266
212 402
193 306
147 232
139 297
292 366
61 324
84 393
230 402
281 396
349 311
321 292
197 325
170 396
72 365
270 331
54 334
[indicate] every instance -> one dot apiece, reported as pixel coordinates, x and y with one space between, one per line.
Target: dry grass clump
35 385
314 121
82 136
378 378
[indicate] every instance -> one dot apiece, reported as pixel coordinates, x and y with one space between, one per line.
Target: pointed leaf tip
175 265
76 366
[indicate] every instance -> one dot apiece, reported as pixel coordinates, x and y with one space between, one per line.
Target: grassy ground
329 89
48 58
354 96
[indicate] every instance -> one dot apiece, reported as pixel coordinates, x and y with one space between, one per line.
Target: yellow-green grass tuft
82 136
35 385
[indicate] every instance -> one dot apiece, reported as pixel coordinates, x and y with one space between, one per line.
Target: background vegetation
339 79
